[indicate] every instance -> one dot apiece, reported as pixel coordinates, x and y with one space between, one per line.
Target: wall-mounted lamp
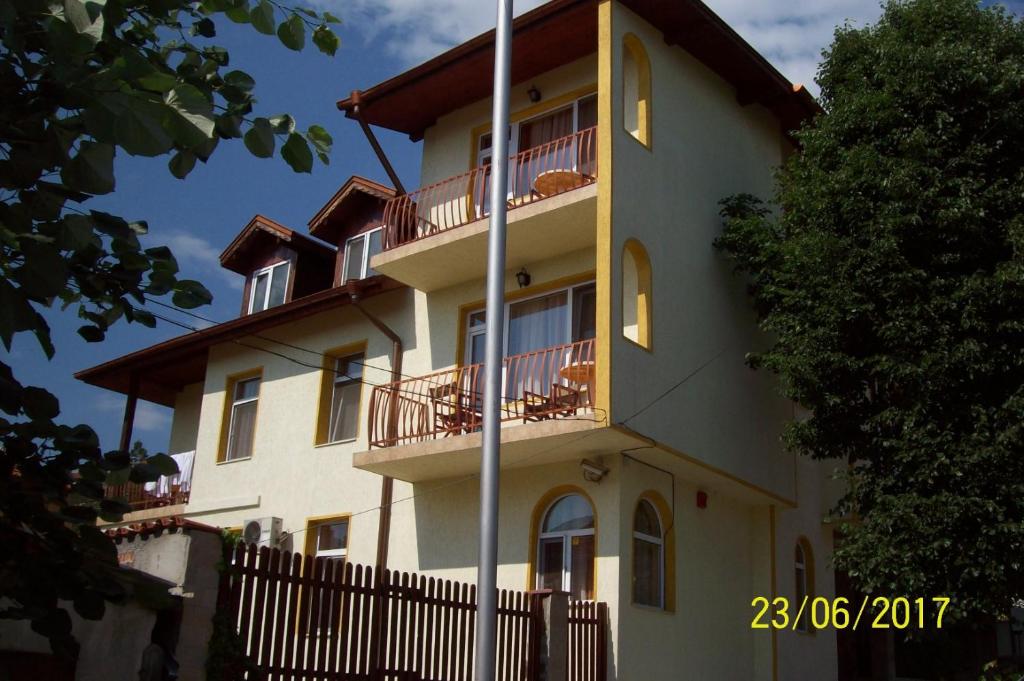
523 277
534 94
593 471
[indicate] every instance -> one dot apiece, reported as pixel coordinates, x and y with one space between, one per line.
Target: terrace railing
543 384
556 167
168 490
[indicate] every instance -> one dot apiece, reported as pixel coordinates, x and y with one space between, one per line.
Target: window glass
648 560
354 258
581 575
332 536
344 423
572 512
375 248
584 312
537 323
242 425
259 292
551 569
278 284
800 569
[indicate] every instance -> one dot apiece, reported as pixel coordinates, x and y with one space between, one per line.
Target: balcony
429 427
167 491
552 210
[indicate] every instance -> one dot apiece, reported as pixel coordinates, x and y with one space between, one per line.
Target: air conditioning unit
262 531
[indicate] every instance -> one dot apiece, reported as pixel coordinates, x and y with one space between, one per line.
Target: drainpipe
388 483
357 111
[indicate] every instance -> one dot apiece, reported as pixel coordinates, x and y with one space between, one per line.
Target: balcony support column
387 485
129 412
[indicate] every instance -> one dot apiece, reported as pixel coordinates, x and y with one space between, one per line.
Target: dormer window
358 251
268 287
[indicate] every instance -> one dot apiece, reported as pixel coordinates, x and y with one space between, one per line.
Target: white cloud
148 416
198 258
789 33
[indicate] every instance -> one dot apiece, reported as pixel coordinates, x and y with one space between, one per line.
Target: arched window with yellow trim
648 556
636 294
636 89
565 551
803 569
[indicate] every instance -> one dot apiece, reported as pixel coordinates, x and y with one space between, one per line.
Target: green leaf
92 334
319 138
158 81
144 317
39 404
239 15
44 273
229 127
326 40
140 130
292 33
282 123
189 294
204 27
296 152
92 169
262 17
239 79
331 19
77 233
86 18
181 164
191 121
163 463
259 140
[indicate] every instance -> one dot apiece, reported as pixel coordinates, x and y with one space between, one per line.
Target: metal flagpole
487 571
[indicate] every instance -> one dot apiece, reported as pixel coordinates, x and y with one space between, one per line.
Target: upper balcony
552 210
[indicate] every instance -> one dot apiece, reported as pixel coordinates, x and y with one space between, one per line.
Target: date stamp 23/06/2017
879 612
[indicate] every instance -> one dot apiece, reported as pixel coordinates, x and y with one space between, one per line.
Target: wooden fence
300 617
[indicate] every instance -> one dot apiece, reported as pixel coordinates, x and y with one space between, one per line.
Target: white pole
487 571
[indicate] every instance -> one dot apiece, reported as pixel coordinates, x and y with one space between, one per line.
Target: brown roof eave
191 348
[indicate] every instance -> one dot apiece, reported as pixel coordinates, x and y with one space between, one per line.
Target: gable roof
257 233
337 211
560 32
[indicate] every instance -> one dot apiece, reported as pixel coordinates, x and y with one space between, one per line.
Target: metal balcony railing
543 384
553 168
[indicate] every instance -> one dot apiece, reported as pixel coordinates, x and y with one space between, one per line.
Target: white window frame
340 379
330 553
660 543
566 538
235 403
364 266
269 271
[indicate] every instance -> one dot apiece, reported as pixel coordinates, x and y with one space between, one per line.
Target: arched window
636 293
803 568
648 556
636 89
565 552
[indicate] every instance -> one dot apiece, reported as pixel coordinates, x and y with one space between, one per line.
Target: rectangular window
347 387
328 538
358 251
241 428
268 287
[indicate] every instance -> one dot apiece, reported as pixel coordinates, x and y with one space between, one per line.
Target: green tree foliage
80 82
890 273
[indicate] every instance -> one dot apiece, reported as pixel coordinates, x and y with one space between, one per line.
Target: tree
890 274
80 81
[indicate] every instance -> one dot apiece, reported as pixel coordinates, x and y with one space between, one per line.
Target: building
641 462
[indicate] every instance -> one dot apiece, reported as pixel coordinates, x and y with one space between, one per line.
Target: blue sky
199 216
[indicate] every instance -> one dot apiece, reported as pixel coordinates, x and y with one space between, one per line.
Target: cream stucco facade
682 422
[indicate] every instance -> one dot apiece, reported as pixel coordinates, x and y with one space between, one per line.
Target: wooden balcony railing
169 490
558 166
543 384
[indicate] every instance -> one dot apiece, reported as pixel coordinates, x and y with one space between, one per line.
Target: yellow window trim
543 504
804 543
642 62
225 422
668 549
323 412
309 546
510 296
